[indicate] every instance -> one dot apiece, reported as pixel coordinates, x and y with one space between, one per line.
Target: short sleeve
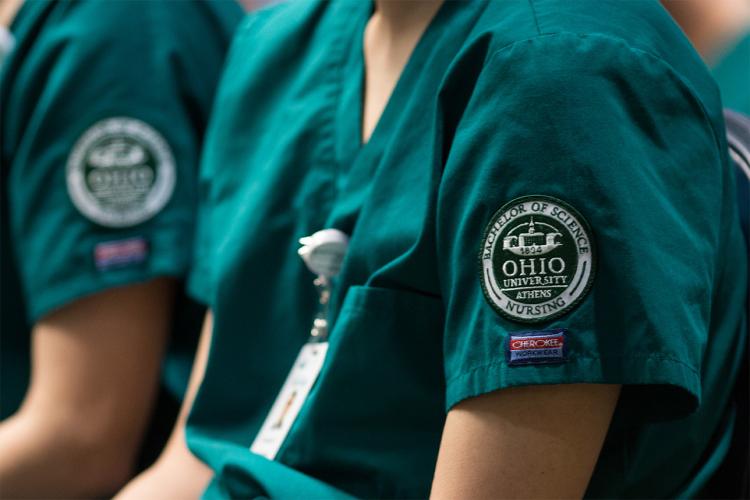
110 104
579 215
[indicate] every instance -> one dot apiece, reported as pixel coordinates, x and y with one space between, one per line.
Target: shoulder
138 27
562 47
641 25
287 42
289 16
295 27
83 61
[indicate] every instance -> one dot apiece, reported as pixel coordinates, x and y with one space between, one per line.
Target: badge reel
323 253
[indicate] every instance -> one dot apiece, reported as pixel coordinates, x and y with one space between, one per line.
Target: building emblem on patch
533 241
537 259
121 172
546 346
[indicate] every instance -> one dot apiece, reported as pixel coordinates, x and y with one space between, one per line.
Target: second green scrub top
732 73
546 199
104 105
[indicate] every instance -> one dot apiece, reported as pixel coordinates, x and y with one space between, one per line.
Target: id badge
289 402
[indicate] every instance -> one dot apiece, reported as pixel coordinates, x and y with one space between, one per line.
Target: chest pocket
378 404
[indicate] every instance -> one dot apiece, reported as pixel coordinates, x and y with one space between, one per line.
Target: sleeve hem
56 297
681 381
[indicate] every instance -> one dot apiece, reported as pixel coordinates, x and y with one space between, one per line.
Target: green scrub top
732 73
546 199
104 105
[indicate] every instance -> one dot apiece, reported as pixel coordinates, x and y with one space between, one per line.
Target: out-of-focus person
103 109
720 31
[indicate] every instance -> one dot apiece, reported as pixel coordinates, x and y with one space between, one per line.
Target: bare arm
95 370
177 474
710 26
526 442
8 10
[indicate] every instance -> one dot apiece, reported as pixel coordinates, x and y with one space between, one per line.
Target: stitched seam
634 50
652 356
330 130
536 19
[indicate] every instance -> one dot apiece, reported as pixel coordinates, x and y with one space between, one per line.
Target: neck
389 39
398 16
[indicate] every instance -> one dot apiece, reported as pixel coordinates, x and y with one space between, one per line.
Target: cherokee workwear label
537 259
121 172
545 346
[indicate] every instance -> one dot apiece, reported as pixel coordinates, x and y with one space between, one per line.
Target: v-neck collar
349 117
355 165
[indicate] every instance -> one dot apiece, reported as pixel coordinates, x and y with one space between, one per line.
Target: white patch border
161 192
579 285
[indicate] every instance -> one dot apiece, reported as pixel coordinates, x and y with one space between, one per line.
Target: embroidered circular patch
537 259
121 172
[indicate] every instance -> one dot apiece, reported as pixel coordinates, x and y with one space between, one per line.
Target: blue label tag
542 346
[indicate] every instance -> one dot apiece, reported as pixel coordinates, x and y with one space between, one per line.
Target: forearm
177 473
95 369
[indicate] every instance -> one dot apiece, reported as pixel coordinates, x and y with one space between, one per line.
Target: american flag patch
120 253
544 346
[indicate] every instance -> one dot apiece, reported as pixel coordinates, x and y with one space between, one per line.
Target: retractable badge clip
323 253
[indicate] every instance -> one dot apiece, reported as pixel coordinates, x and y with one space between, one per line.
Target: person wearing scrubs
104 105
465 250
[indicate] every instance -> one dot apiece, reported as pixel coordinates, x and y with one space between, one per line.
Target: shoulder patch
537 259
121 172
